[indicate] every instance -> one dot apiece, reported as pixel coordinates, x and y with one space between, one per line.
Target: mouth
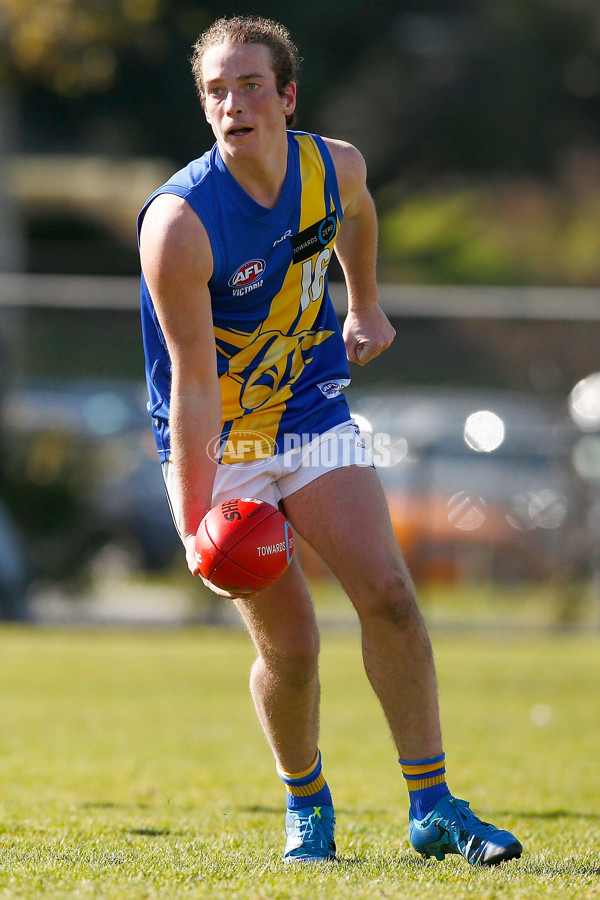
241 131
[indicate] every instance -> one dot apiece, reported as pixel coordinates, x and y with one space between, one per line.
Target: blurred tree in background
479 119
480 123
70 47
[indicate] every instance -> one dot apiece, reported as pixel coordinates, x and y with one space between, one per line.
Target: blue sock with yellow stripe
426 782
306 788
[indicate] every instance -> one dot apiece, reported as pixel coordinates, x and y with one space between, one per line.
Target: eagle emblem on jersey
259 365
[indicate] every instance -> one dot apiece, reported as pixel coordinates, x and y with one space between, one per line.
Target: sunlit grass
131 766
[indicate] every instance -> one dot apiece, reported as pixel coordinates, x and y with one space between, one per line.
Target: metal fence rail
437 301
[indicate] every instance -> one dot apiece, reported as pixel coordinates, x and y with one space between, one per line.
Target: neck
261 178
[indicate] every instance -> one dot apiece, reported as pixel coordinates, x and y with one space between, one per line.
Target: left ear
289 98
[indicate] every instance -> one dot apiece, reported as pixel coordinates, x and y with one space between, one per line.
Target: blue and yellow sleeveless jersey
281 359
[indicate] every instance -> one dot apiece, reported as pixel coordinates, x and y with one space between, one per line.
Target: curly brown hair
251 30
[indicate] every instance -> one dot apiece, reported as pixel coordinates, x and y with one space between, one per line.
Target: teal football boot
310 834
451 827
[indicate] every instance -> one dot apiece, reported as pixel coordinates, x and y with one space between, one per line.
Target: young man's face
241 100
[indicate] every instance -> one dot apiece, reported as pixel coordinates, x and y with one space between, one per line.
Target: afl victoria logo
247 273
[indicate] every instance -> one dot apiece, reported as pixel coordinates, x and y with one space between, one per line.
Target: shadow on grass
102 804
404 862
263 810
107 804
561 870
551 814
339 810
150 832
384 861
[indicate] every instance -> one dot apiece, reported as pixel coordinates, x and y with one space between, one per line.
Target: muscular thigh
344 516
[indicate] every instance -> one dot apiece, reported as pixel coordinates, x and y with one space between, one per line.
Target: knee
294 662
389 598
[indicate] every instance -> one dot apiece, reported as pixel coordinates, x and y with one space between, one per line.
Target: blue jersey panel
281 359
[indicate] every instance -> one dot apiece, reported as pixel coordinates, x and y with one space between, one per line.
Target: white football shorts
273 478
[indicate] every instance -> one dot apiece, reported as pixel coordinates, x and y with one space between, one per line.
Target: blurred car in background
14 572
480 484
82 477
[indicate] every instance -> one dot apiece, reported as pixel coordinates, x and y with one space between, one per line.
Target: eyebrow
238 78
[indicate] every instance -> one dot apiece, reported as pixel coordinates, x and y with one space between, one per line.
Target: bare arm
367 331
177 263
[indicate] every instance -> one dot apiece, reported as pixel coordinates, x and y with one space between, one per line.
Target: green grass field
131 766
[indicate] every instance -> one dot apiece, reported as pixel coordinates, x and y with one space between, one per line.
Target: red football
243 545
